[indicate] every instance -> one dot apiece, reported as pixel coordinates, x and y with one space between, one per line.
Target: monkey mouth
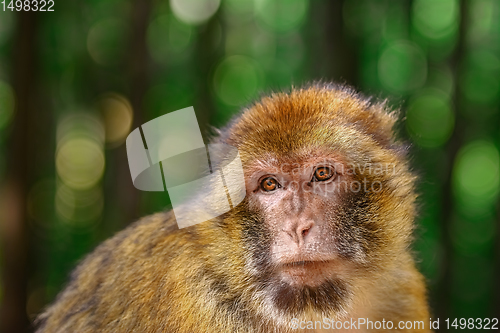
307 272
306 264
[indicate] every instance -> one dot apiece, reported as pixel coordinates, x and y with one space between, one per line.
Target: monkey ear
371 117
378 121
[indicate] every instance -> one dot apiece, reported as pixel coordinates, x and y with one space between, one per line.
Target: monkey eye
322 174
269 184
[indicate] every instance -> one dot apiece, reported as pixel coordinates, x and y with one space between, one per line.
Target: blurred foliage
101 68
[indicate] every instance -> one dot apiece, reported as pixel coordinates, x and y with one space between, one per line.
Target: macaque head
329 196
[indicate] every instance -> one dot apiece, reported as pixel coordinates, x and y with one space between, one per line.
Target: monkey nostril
298 233
304 231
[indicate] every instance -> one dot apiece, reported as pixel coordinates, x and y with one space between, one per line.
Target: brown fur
214 276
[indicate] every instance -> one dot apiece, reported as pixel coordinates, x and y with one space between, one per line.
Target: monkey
323 235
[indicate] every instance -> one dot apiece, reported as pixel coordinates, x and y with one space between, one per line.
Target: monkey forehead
313 115
298 161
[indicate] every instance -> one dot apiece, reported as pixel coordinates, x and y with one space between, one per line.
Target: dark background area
76 80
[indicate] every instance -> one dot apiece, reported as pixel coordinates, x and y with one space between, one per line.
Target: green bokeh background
76 80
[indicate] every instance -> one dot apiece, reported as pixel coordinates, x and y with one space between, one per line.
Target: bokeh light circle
167 36
80 162
79 208
281 15
476 174
117 116
105 41
80 155
430 119
237 79
194 11
435 19
402 67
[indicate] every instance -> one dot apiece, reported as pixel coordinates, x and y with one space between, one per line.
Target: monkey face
297 201
329 196
313 232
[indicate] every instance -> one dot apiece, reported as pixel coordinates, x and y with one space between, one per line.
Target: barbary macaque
322 236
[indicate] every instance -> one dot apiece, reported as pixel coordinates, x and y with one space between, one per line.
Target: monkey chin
309 285
304 283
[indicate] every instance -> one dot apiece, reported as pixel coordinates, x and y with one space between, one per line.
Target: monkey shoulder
116 275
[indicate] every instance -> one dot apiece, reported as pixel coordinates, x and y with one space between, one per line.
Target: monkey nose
298 231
